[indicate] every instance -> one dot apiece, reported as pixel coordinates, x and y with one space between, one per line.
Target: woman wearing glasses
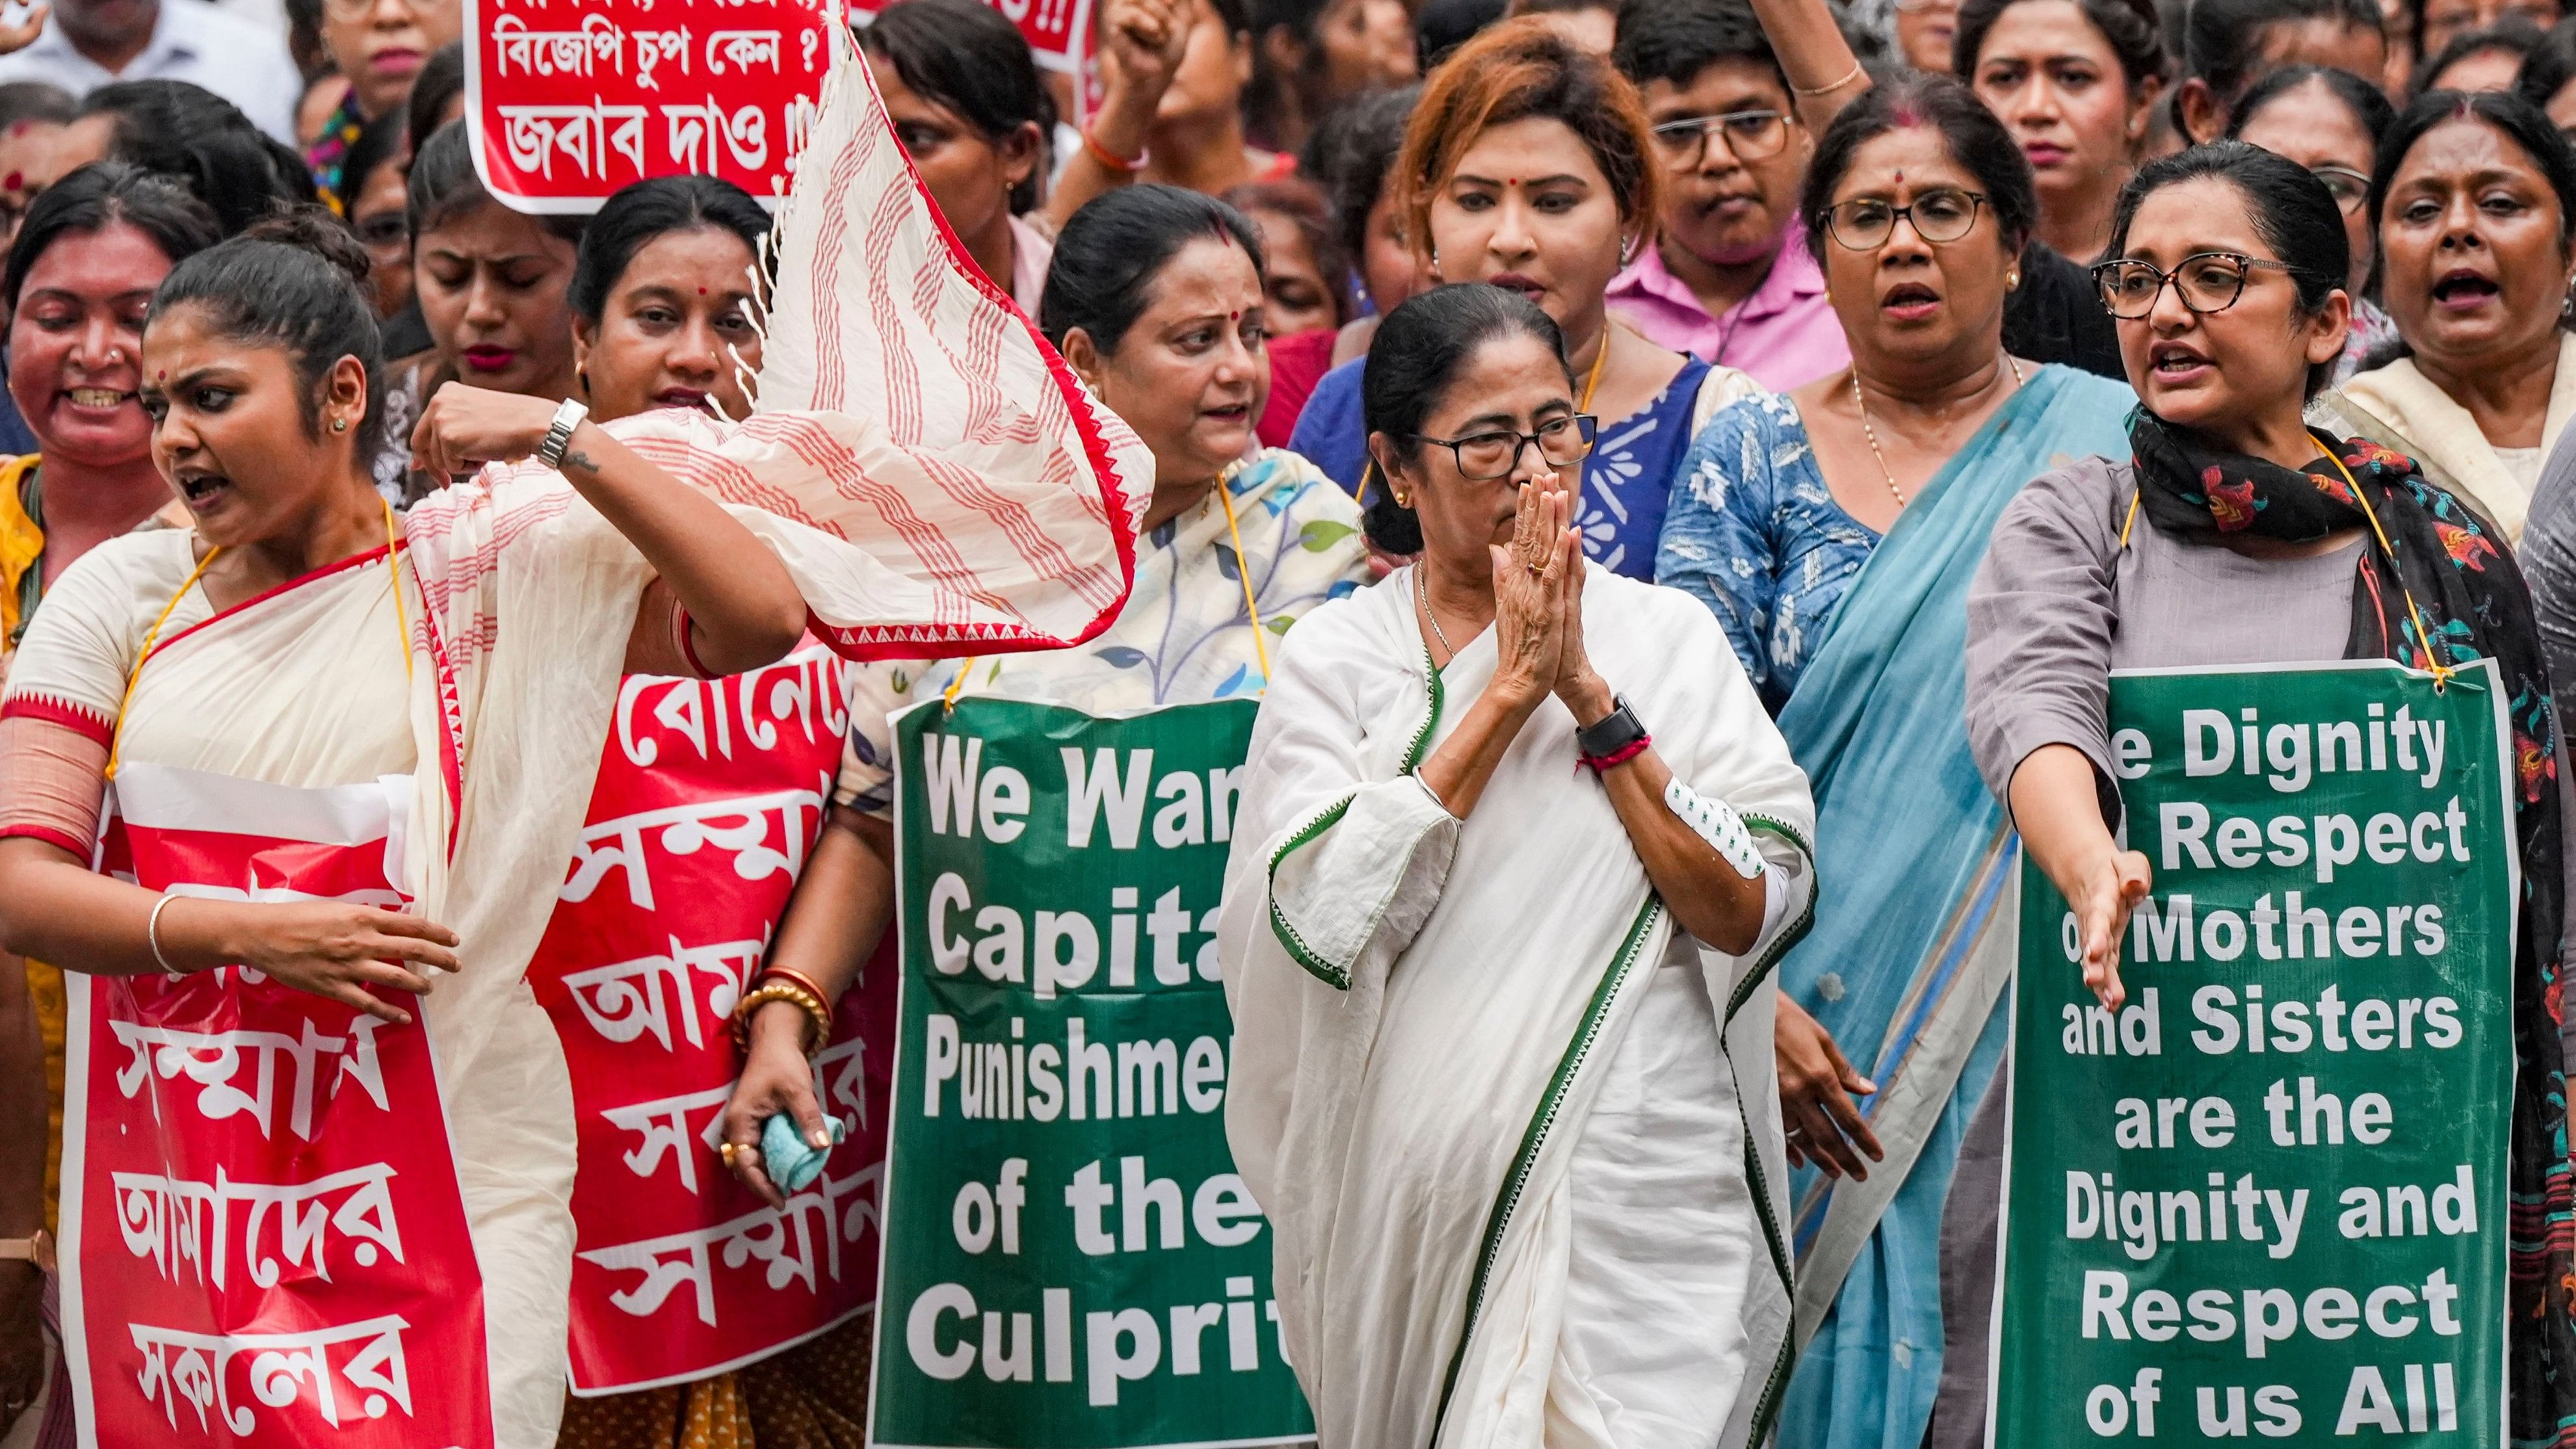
380 45
2475 195
2330 121
1910 454
2228 282
1527 165
1725 279
1516 840
2076 81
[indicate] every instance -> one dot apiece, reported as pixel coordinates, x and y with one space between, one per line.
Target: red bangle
1111 159
1603 763
797 977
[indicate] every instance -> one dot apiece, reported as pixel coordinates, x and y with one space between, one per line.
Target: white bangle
152 934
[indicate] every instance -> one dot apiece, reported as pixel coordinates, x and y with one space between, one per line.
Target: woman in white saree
1503 1055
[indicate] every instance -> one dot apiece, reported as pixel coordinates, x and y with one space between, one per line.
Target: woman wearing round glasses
2330 121
1527 165
2475 196
2235 534
1917 206
1517 844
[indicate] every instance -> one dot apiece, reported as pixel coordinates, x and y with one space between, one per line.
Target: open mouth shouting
2177 363
1909 302
2464 289
202 489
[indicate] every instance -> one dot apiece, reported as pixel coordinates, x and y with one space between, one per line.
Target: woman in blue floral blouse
1834 529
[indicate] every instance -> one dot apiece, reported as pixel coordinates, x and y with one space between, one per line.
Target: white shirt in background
238 59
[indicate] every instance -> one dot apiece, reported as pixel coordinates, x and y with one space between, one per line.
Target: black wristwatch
1612 733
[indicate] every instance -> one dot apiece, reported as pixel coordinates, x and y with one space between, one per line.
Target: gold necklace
1422 589
1592 384
1871 433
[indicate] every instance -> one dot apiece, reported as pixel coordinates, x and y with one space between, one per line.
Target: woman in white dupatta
2475 202
1503 1070
969 496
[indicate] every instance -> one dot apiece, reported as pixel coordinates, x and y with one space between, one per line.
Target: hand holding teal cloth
791 1161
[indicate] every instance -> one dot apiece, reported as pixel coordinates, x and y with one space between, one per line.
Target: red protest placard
1057 30
568 104
265 1242
710 793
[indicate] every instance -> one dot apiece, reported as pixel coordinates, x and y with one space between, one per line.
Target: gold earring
2012 281
1400 500
339 425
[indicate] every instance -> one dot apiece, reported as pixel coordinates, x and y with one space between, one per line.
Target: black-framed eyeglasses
2349 188
1483 457
1943 214
2206 281
1750 135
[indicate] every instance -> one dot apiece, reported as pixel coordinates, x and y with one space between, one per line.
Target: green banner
1070 1260
2266 1198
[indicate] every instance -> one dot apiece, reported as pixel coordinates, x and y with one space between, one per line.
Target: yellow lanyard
1243 575
2441 672
393 563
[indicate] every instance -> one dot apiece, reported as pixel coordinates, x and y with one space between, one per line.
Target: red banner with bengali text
264 1242
1058 31
568 104
710 794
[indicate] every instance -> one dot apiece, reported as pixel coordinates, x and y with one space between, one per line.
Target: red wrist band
1111 159
1603 763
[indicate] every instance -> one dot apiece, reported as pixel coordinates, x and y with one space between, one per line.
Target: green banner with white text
2265 1199
1071 1261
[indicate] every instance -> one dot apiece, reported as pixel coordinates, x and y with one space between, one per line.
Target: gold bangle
1857 71
816 1014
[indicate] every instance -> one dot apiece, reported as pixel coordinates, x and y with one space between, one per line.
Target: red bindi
14 180
702 291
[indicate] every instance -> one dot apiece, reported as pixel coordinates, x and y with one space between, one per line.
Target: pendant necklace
1871 433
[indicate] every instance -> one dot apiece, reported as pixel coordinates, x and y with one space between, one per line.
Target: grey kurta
2057 605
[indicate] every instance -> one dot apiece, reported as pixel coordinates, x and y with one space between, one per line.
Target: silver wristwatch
559 433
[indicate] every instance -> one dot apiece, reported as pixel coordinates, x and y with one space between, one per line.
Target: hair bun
313 229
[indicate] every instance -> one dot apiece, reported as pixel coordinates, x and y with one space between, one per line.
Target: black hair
2513 37
204 142
35 101
964 56
441 79
443 186
637 214
2367 103
380 142
1412 362
2525 124
98 196
2127 26
291 282
1971 133
1441 26
1110 252
1352 152
2550 66
2293 213
1302 202
2223 39
1674 40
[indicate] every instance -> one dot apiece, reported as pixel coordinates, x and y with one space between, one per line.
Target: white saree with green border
1518 1135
